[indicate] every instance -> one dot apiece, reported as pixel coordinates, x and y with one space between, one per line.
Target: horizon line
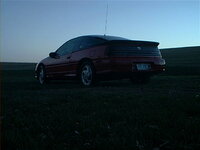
37 61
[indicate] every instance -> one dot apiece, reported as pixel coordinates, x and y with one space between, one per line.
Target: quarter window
90 42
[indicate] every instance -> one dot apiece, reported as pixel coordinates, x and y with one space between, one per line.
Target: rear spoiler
132 42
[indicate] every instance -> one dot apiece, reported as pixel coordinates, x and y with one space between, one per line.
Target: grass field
163 114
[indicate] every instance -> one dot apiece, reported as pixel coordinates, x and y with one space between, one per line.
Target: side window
76 43
66 48
89 42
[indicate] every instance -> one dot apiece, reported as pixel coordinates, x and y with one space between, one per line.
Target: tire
140 79
87 74
42 75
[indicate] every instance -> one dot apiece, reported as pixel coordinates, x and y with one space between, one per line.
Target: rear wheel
42 75
87 75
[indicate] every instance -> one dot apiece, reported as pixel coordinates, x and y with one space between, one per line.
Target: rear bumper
119 74
126 67
132 68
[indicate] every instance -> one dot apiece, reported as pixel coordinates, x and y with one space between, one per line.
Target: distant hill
187 56
182 61
17 66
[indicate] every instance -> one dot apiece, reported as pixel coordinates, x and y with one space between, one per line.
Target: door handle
68 57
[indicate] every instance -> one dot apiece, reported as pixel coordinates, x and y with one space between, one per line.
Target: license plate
143 66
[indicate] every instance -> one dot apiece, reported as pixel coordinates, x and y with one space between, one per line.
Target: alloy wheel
41 75
86 75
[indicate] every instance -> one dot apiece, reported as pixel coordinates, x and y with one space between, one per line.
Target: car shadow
66 84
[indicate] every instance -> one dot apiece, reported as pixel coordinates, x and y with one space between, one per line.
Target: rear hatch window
134 48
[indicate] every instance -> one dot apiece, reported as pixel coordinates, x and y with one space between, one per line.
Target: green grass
112 115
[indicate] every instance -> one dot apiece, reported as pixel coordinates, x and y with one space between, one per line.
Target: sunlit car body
94 57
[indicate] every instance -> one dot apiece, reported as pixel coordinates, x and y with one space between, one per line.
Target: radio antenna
106 21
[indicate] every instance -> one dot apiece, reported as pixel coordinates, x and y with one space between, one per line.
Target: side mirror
53 55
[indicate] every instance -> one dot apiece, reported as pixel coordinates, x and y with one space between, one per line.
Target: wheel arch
82 61
37 68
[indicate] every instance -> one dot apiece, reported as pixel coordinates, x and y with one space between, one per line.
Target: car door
74 58
59 66
80 43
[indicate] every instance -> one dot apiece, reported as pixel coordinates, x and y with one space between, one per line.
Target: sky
30 29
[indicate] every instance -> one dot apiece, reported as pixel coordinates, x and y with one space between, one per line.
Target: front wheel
87 74
42 75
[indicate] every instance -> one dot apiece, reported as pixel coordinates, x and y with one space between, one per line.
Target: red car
99 57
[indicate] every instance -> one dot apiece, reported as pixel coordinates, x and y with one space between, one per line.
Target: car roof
107 37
